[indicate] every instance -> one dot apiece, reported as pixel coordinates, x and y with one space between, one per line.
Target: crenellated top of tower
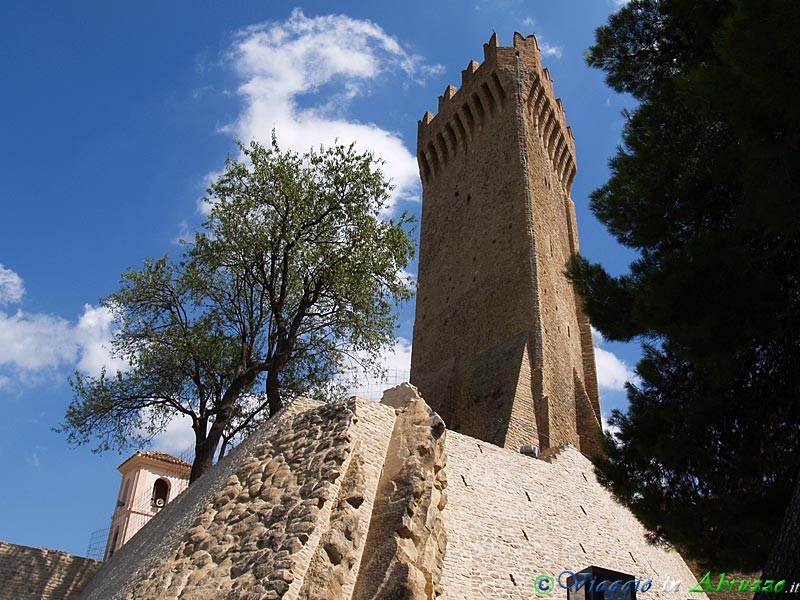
507 75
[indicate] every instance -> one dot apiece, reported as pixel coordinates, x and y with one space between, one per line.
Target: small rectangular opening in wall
632 558
514 581
465 481
584 477
584 510
528 496
582 548
525 535
581 588
479 448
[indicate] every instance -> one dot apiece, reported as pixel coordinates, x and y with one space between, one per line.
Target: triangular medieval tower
502 349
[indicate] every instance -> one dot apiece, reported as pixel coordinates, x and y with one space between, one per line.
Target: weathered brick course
37 573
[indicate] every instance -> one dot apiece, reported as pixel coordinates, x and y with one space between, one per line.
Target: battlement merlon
490 87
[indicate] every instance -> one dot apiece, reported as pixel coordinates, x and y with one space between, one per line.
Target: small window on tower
160 492
123 499
113 546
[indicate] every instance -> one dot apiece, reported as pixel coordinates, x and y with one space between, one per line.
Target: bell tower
502 349
149 481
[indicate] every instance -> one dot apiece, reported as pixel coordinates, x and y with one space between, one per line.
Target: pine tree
704 189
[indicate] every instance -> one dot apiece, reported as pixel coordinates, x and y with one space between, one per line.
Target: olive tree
294 272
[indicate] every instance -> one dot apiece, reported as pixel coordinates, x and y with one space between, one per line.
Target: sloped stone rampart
347 501
248 541
283 516
511 518
157 540
337 552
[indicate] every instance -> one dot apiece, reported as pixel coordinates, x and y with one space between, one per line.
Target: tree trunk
784 559
204 449
222 449
273 392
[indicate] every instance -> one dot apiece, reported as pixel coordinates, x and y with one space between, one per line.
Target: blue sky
114 116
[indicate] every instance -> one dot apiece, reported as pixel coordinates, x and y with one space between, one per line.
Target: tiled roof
161 456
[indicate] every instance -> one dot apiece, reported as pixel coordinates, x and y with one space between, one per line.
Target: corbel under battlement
488 88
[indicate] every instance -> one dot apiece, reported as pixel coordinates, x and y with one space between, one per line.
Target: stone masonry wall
474 313
160 537
288 515
254 536
291 521
39 574
511 518
566 348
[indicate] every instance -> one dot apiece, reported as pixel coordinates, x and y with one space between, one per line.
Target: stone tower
502 349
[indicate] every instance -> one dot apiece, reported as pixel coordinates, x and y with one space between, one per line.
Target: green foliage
708 468
704 189
294 273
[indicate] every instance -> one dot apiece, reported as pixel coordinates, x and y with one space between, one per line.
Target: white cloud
528 21
549 49
203 206
612 372
284 64
407 277
397 360
619 3
11 286
185 232
597 337
612 429
93 333
31 342
34 342
397 363
177 437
